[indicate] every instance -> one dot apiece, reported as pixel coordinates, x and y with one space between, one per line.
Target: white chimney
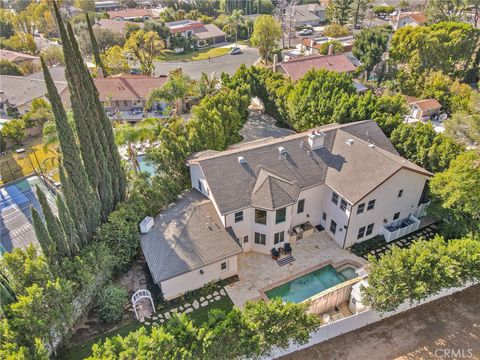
241 160
349 142
100 74
146 224
371 146
316 139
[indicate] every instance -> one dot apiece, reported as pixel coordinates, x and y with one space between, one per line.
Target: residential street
227 63
433 331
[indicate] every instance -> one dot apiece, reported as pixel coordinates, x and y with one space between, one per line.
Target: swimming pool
311 284
144 165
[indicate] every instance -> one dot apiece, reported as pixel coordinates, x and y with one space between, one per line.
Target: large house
347 180
407 18
19 58
308 14
207 34
132 14
118 26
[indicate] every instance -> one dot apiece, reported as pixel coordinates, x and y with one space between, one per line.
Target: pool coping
335 265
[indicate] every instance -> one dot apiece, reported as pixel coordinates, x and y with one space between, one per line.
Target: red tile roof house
124 93
18 58
424 109
207 34
407 18
296 68
132 14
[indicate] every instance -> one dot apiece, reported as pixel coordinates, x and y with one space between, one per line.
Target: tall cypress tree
54 227
71 160
93 40
43 236
68 225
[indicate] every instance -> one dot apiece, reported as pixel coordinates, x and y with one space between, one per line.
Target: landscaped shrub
336 31
111 303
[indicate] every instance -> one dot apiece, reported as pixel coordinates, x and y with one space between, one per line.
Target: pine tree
55 229
43 236
96 52
68 225
71 160
71 201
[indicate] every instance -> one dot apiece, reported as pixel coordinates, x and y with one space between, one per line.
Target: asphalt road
448 328
227 63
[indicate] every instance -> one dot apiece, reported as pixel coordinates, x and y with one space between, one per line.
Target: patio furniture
287 248
275 254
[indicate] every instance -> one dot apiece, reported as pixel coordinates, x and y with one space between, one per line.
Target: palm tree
128 135
206 86
175 89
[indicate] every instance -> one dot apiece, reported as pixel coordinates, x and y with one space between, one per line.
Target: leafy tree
114 61
175 89
53 55
464 126
15 130
131 28
338 11
159 27
266 34
337 47
358 12
128 135
40 112
420 271
458 189
336 30
383 10
111 301
85 5
449 10
20 41
145 47
369 46
389 112
6 27
420 144
9 68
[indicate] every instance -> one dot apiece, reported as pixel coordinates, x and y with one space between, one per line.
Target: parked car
137 111
235 51
305 32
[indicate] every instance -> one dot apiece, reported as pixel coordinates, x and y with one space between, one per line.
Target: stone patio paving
257 271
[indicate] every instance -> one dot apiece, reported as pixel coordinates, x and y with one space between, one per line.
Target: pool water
144 165
311 284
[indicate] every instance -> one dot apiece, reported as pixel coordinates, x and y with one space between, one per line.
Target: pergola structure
140 295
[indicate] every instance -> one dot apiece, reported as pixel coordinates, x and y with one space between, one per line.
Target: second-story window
280 215
335 198
301 206
361 208
333 227
260 216
238 216
343 205
369 229
371 205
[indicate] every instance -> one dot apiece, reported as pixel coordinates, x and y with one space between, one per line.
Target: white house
407 18
347 179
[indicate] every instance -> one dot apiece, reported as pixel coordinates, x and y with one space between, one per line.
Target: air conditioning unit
146 224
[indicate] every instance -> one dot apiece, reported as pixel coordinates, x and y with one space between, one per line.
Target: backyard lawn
203 54
198 316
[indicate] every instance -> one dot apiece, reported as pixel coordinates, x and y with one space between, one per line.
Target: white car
305 32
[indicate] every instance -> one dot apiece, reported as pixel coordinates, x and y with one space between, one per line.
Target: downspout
346 230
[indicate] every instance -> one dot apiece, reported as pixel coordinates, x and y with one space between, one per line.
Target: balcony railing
400 228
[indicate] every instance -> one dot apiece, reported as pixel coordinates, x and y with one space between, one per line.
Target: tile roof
352 170
14 56
208 31
183 25
115 25
19 90
127 87
57 73
130 13
428 104
306 13
296 68
419 17
188 235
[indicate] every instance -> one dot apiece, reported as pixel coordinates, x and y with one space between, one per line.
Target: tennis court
16 228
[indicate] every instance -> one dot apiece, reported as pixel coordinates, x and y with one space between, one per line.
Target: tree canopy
266 34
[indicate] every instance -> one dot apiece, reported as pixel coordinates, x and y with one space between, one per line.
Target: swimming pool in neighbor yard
145 166
308 285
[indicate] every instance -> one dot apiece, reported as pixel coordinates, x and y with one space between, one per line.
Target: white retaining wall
357 321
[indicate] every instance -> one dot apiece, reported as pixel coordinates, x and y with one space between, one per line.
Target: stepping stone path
222 292
209 296
154 317
202 299
195 304
187 305
212 300
180 308
217 297
142 319
215 293
147 323
161 321
189 310
167 315
205 303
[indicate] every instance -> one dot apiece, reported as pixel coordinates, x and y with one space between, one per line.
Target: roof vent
146 224
371 146
349 142
241 160
282 152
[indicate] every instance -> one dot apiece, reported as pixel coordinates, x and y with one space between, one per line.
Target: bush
336 31
8 68
111 303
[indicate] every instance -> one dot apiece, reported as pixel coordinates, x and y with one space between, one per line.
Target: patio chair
275 254
288 249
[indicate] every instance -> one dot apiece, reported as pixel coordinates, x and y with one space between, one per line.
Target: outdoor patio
257 271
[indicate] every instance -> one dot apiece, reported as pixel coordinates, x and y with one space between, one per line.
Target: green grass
203 54
199 316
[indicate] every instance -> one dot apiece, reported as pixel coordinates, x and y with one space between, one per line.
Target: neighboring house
407 18
207 34
117 26
128 92
107 5
132 14
424 109
296 68
313 46
19 58
19 92
308 14
347 179
56 72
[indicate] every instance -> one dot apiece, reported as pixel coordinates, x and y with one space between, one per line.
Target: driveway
226 63
448 328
